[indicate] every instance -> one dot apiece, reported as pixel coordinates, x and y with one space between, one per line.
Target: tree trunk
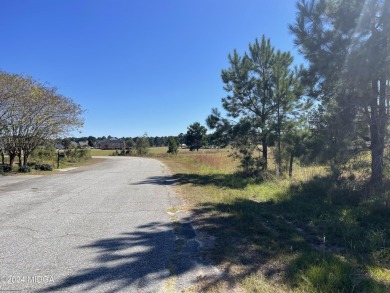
2 159
20 159
25 159
265 152
11 159
278 158
377 131
290 169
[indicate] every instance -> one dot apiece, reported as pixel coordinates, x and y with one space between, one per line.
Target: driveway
102 228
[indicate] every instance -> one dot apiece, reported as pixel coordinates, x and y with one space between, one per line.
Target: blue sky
137 66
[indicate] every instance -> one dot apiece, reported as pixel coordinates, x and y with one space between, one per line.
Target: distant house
111 144
83 144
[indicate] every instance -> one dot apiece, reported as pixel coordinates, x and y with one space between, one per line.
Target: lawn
98 152
307 234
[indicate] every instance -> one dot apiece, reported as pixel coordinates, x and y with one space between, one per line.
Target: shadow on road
276 240
134 260
284 240
219 180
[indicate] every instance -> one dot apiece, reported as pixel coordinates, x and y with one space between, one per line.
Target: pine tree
172 146
196 136
264 96
347 44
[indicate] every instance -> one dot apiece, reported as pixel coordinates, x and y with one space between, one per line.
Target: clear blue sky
137 66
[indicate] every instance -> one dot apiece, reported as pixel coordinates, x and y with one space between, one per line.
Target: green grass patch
307 234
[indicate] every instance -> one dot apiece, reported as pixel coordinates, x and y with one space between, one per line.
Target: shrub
24 169
43 167
252 167
46 167
74 155
172 146
6 168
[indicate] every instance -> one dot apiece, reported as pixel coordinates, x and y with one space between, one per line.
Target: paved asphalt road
102 228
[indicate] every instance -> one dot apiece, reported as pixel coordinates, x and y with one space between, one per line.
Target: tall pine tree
263 97
347 44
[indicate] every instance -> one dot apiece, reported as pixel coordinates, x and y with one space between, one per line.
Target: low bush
75 155
6 168
24 169
43 167
46 167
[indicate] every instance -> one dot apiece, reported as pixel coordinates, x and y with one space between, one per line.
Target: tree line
153 141
30 114
195 138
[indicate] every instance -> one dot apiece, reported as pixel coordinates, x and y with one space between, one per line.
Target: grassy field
98 152
308 234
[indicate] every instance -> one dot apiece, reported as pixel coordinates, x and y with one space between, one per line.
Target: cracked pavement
90 229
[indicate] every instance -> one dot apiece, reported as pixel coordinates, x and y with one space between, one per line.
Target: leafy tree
156 141
91 141
172 145
196 136
142 145
66 142
151 142
33 113
164 141
130 145
181 139
347 45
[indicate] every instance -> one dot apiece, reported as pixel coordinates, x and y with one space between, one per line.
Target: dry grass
269 236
